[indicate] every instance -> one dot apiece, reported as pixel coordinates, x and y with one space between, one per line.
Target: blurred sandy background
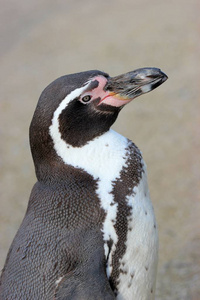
42 40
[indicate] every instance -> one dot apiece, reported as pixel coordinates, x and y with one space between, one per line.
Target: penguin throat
80 124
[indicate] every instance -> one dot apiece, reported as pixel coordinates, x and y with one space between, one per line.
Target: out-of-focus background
42 40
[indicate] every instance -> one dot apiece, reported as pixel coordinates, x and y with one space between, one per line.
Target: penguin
89 232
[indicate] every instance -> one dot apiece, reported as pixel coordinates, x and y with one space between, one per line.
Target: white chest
139 264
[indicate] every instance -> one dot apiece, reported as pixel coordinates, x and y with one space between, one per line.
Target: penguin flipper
88 280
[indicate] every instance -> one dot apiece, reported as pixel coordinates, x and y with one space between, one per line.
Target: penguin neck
97 156
102 158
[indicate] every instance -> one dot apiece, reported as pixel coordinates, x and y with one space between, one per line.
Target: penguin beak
124 88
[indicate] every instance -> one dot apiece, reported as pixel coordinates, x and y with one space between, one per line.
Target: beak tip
164 76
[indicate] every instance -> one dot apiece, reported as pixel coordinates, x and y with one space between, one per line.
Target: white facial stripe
103 158
74 94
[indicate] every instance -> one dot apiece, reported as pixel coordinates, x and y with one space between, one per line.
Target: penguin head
80 107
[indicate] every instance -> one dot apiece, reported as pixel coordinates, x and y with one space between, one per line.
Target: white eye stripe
70 97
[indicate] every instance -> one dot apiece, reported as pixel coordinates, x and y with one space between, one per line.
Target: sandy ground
42 40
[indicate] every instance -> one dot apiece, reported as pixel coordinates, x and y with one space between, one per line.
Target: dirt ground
42 40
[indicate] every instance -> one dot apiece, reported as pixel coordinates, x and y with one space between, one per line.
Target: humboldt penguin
89 232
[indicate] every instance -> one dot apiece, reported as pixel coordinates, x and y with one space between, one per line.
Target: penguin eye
86 98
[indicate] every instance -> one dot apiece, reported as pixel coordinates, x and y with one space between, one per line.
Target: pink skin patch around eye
107 97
